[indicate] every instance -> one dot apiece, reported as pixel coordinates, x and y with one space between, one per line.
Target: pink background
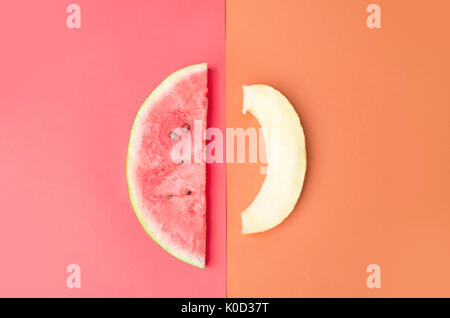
68 99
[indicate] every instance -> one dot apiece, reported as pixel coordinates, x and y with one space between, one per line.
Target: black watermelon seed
170 196
189 192
186 128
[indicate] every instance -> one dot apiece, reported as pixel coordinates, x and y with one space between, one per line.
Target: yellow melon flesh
286 158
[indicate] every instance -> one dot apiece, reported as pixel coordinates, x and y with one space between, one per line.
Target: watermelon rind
154 96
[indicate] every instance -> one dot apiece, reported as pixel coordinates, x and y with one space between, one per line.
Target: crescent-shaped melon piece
286 158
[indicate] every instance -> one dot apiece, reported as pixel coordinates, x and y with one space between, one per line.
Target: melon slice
286 158
167 195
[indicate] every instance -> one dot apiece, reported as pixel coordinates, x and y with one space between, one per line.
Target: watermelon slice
167 194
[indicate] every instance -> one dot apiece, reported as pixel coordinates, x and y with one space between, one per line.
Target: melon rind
136 131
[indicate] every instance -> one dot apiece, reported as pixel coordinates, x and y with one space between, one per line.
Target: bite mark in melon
168 196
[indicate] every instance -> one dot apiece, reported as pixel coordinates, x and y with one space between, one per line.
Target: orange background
375 107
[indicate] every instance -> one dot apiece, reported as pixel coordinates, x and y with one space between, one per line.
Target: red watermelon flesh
167 193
